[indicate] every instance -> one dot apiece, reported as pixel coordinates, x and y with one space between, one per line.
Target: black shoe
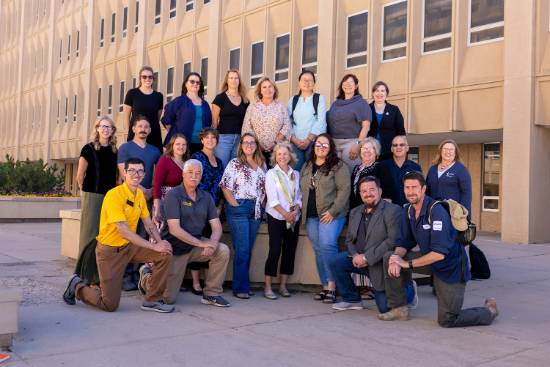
330 297
321 295
70 293
196 292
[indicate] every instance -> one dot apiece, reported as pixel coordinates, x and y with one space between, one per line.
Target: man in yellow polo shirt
118 244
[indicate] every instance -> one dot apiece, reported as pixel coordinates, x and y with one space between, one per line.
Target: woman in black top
228 110
387 119
145 101
96 174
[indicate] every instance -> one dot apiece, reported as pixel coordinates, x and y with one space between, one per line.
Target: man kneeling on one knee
373 231
187 210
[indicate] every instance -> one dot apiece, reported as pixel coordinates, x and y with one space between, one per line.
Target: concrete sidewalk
258 332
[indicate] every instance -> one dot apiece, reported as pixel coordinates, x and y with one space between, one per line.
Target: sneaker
144 269
321 295
217 301
398 313
70 293
330 297
158 306
491 304
344 306
4 357
414 303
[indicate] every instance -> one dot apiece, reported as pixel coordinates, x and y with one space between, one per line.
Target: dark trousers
396 293
450 298
281 238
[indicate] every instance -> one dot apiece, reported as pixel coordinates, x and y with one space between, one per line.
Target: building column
88 116
214 49
526 156
141 38
326 42
19 92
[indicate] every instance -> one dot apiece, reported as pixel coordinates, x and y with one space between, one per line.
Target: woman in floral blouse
267 118
243 186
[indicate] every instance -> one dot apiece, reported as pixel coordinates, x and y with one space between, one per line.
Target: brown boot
398 313
491 304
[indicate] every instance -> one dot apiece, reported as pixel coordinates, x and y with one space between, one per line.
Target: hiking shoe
158 306
414 303
143 270
344 306
491 304
330 297
217 301
70 293
398 313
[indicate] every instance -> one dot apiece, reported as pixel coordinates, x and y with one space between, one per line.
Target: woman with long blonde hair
96 174
228 110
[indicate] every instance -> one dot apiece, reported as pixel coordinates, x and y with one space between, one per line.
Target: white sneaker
344 306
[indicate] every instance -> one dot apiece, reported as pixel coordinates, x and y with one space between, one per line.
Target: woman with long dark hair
325 186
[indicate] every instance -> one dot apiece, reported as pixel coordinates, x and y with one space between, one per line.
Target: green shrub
25 177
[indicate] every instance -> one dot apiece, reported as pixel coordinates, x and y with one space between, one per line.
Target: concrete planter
35 207
9 307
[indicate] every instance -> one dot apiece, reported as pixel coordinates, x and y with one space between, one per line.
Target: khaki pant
215 274
111 263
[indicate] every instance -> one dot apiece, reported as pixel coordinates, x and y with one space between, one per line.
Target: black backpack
295 102
479 266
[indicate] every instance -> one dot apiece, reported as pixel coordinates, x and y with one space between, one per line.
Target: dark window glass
186 69
486 12
257 65
437 17
395 24
281 57
235 59
357 33
309 46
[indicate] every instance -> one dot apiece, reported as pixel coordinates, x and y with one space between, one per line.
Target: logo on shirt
450 174
437 225
426 226
187 203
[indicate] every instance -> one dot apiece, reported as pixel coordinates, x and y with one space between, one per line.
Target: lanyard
289 197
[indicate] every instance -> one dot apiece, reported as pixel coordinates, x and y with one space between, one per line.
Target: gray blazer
383 234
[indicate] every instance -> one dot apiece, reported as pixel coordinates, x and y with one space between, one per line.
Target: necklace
179 164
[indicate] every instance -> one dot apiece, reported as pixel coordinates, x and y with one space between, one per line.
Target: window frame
363 53
229 60
188 62
189 5
481 28
172 11
399 45
204 79
170 95
113 27
435 38
77 50
110 100
60 50
101 32
158 11
125 22
489 197
258 76
121 95
136 25
66 109
316 63
98 105
75 107
69 47
284 70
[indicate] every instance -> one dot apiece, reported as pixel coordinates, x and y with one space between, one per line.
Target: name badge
187 203
426 226
438 225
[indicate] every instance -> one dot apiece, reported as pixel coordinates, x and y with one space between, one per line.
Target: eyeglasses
322 145
249 143
147 77
133 172
105 127
398 145
194 82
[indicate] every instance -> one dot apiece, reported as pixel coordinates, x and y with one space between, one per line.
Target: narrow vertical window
394 31
235 59
173 5
189 5
101 32
309 49
75 107
486 21
204 73
60 50
66 109
437 25
155 80
77 51
257 62
134 82
169 84
110 100
157 11
69 47
282 46
121 95
113 27
357 40
98 102
136 27
491 177
58 110
125 22
186 69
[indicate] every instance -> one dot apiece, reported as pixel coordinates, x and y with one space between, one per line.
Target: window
206 2
486 21
74 107
58 110
155 80
309 49
173 4
134 82
98 102
169 84
69 47
121 95
394 32
125 22
437 25
157 11
101 32
282 44
491 177
136 27
257 62
235 59
113 27
414 155
188 5
60 50
204 73
186 69
110 100
66 109
357 40
77 51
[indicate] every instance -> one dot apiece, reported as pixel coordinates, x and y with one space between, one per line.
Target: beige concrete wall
23 207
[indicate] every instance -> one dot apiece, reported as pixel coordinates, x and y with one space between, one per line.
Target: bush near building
26 177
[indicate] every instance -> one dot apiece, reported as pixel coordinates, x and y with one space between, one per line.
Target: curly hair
332 159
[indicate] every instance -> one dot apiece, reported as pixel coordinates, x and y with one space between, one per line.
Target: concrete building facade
477 71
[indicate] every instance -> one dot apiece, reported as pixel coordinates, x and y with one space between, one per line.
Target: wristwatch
410 264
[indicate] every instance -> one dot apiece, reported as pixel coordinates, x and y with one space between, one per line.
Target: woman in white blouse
243 186
284 203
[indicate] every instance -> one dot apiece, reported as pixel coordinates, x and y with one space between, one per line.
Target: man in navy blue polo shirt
439 249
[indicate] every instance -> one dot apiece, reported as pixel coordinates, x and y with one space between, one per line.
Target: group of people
293 165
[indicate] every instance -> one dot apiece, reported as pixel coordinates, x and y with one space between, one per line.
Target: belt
118 248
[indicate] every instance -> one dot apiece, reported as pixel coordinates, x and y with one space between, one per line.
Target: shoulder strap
96 166
315 102
294 104
442 202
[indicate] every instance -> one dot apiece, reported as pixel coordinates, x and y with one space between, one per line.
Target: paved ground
290 332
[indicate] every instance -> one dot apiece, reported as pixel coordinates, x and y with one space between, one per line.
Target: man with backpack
431 228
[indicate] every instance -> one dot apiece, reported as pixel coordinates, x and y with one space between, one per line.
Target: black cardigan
392 124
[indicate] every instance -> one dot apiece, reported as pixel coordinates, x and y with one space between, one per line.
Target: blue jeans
342 268
227 146
243 229
324 239
301 156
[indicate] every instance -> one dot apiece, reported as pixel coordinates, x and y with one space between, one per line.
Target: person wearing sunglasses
398 166
388 120
325 186
188 113
96 174
145 101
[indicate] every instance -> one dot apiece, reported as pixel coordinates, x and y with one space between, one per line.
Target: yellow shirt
120 205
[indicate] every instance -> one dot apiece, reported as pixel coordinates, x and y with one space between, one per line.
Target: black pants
281 238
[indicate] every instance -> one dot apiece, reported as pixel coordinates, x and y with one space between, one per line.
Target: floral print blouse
245 183
266 122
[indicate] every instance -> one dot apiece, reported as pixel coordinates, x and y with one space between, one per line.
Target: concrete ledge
70 233
9 307
35 207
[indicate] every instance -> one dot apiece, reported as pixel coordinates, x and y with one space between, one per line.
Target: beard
370 204
413 199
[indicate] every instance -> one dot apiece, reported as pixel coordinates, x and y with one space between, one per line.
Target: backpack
479 266
295 103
